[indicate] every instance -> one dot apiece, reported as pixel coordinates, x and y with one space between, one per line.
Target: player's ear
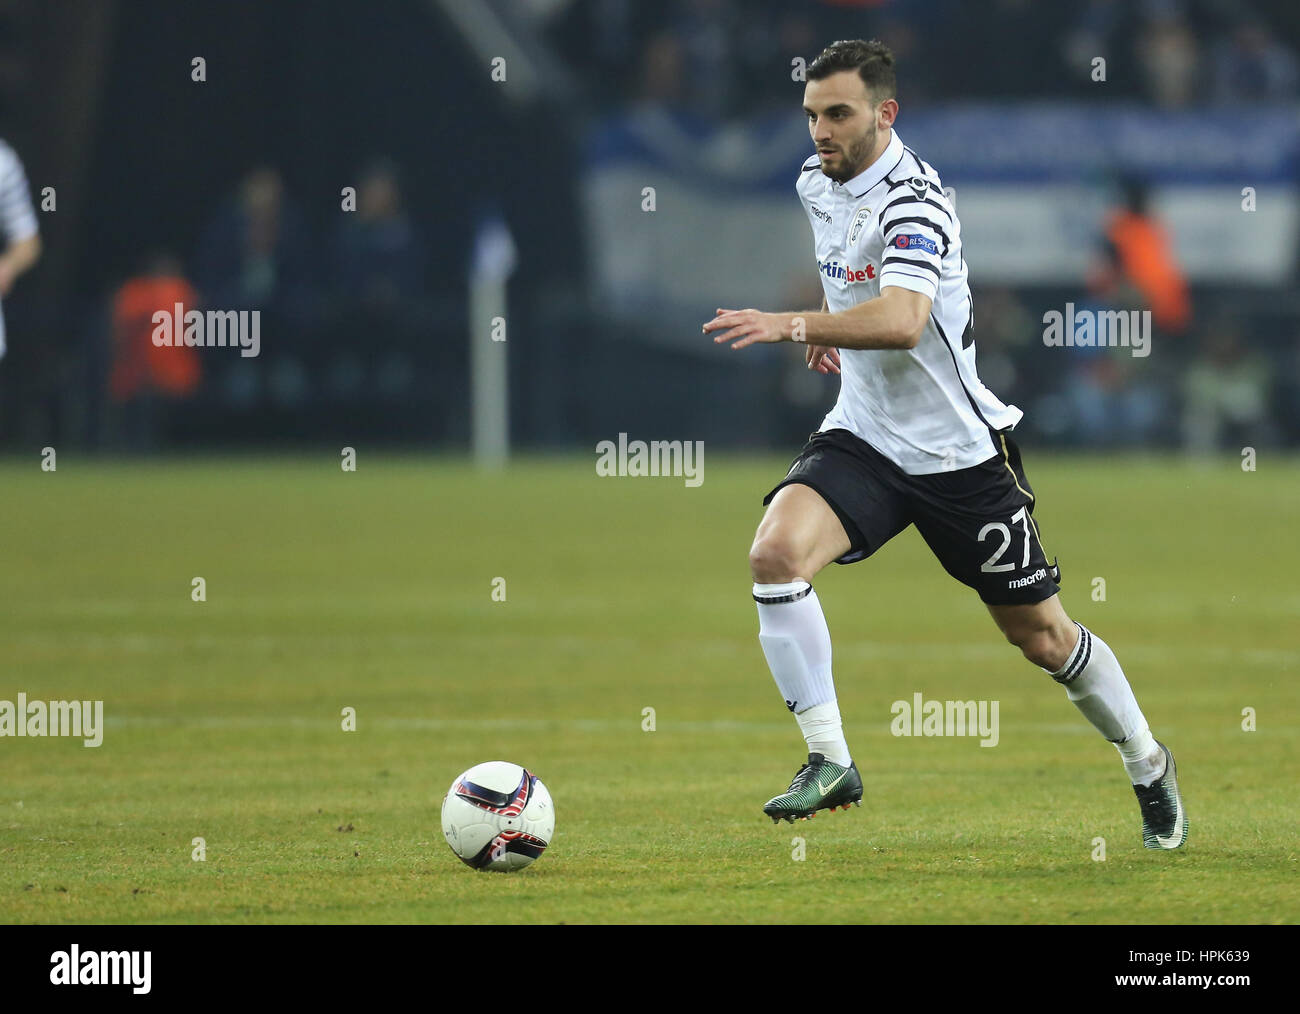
886 113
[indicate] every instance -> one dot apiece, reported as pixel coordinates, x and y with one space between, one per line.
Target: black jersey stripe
919 218
894 253
936 186
920 165
923 265
922 173
930 184
895 184
957 369
887 227
913 200
923 170
890 279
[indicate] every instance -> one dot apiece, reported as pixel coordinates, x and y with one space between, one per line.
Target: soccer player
914 438
18 223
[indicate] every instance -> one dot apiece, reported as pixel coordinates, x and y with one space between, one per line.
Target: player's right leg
800 535
816 516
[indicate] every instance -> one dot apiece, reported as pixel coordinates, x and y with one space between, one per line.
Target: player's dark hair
873 60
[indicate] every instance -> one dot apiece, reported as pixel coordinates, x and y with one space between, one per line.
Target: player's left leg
979 521
1085 665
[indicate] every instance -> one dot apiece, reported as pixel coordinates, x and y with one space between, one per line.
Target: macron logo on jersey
843 273
916 242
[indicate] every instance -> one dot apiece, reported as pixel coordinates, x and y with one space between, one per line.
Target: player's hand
745 327
823 360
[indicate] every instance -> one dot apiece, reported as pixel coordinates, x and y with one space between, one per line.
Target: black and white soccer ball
498 816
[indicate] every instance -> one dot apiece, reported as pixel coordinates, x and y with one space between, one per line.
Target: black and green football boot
1164 822
818 785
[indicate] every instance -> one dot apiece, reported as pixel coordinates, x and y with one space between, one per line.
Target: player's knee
774 560
1046 645
1037 647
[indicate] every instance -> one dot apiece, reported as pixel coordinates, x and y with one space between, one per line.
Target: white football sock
1096 684
797 644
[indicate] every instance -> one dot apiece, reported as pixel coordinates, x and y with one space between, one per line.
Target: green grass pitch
373 590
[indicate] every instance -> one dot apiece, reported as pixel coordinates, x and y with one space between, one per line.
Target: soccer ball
498 816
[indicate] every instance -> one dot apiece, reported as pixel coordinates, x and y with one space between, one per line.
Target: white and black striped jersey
923 408
17 216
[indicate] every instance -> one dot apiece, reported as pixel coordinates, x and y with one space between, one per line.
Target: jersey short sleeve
915 224
17 216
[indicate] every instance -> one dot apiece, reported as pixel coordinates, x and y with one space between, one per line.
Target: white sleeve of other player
17 215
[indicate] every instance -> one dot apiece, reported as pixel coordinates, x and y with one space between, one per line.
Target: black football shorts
978 521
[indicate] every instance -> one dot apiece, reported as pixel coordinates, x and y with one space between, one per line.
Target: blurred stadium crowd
315 294
1171 53
364 312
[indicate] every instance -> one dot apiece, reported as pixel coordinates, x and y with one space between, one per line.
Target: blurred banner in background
1033 184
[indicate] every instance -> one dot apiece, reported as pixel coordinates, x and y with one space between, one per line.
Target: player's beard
855 158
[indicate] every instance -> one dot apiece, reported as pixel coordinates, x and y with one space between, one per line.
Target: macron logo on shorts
1025 582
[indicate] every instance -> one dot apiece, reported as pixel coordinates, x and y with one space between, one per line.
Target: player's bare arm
894 320
820 358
